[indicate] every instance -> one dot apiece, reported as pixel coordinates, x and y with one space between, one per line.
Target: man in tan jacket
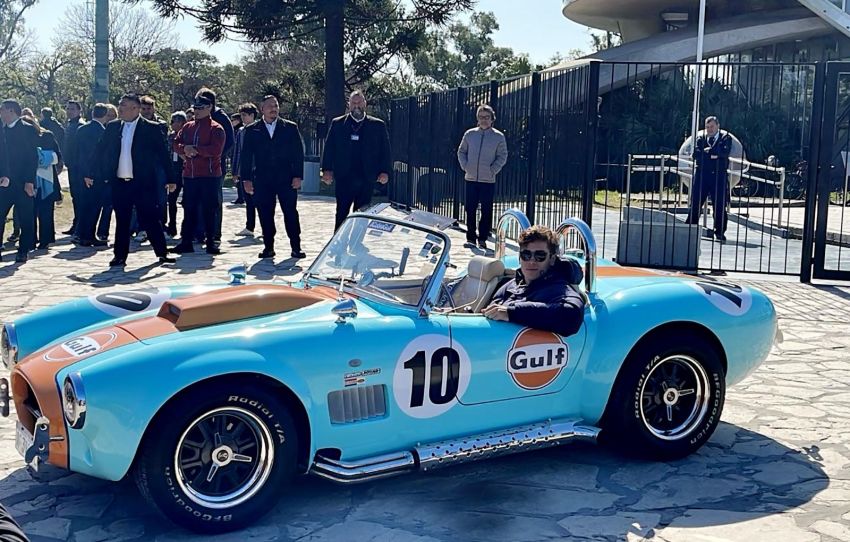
482 155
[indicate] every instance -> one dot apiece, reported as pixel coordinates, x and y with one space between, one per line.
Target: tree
14 39
334 23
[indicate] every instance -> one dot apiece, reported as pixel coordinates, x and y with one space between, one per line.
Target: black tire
243 417
648 420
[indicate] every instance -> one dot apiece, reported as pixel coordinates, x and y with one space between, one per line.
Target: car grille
357 403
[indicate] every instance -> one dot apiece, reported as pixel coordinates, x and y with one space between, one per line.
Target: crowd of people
128 163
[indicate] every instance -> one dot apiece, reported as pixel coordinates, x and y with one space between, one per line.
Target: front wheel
214 460
667 399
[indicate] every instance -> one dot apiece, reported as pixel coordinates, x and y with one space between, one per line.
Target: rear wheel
667 399
215 459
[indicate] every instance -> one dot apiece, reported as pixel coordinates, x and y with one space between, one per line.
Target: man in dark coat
75 176
50 123
272 167
543 294
18 174
220 116
128 155
711 165
91 195
357 154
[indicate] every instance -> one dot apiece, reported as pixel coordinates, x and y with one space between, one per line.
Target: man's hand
296 183
29 188
171 187
328 177
4 182
497 312
235 178
248 186
190 151
383 178
89 182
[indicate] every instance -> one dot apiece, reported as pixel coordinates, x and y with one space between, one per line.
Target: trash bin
657 238
310 183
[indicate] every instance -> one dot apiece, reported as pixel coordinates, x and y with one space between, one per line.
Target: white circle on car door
430 376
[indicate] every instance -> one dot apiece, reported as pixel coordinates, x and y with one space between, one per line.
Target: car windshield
380 257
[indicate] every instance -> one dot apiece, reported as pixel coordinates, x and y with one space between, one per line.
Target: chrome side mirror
238 274
346 308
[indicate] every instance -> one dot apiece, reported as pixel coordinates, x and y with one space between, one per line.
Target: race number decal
119 304
731 299
430 376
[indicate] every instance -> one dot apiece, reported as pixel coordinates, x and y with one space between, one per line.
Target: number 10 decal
430 376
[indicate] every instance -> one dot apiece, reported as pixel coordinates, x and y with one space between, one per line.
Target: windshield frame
426 301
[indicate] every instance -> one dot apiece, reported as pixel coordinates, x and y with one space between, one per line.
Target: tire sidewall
156 465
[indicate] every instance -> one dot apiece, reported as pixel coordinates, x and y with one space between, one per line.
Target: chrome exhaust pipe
372 468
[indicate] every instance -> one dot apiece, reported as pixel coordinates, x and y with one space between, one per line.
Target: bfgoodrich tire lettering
216 457
667 399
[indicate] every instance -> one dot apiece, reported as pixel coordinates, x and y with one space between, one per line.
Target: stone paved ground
778 468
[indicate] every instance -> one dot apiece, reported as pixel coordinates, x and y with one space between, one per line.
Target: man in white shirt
20 141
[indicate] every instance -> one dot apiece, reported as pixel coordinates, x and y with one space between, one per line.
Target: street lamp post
698 71
100 88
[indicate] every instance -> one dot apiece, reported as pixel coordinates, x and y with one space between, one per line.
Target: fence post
591 124
458 174
494 94
816 130
412 105
533 146
432 121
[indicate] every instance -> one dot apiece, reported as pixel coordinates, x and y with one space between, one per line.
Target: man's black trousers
90 206
14 195
719 191
479 194
142 195
199 198
356 193
266 197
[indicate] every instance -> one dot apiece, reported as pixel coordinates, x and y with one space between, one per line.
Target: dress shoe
103 237
267 253
246 233
21 257
182 249
118 262
69 231
469 244
238 201
167 259
721 238
298 254
13 238
212 249
482 244
43 246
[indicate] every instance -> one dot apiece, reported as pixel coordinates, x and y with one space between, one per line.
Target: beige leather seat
474 291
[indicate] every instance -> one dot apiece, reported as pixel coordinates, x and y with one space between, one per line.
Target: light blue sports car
374 364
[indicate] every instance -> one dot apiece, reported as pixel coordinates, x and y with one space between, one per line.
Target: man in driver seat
542 295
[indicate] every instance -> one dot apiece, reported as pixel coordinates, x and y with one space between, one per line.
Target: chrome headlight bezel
74 401
9 345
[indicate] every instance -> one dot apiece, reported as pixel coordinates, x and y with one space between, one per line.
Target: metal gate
831 230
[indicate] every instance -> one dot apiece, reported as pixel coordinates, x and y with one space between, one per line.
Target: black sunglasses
538 255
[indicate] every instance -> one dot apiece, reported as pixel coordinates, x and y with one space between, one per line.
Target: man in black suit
91 195
49 123
128 155
17 176
272 167
75 175
357 153
711 164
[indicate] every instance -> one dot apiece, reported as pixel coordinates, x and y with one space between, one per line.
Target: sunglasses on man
538 255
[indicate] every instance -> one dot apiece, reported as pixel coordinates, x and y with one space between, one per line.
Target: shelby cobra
373 364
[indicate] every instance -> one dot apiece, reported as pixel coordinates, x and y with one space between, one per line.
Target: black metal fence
608 142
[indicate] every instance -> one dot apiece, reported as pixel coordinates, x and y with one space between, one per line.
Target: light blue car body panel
307 351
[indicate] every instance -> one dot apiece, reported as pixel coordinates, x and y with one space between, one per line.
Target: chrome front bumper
35 448
9 345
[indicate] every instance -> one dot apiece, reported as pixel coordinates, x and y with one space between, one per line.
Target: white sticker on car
430 376
536 358
80 347
117 304
729 298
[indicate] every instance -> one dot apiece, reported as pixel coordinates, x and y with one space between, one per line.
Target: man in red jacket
200 143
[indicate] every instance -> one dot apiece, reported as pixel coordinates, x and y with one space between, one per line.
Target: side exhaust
455 451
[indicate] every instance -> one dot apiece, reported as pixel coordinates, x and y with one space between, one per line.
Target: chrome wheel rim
224 457
674 397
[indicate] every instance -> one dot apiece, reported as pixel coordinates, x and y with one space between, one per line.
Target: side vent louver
357 404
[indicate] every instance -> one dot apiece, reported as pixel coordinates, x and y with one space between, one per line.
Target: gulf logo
537 358
80 347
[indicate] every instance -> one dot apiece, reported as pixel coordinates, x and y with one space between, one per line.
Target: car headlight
74 400
9 345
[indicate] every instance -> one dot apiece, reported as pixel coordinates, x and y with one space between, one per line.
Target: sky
540 32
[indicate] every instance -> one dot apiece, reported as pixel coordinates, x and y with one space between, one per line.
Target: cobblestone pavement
777 469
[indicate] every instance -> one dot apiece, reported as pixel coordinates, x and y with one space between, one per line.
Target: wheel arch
296 409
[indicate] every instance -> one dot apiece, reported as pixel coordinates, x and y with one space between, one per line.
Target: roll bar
513 215
589 249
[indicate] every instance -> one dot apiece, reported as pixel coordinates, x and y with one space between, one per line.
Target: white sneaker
246 233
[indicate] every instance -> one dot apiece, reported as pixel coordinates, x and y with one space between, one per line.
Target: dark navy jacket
549 303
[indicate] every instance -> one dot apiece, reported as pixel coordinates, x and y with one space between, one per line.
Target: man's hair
488 109
713 119
178 115
268 97
132 97
112 108
249 108
46 112
235 116
207 93
75 103
539 233
147 100
12 105
99 110
356 92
